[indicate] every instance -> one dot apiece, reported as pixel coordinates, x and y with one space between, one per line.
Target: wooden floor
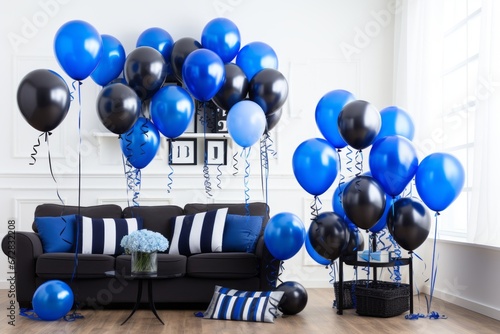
317 317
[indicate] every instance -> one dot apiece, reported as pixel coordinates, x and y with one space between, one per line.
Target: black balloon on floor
294 299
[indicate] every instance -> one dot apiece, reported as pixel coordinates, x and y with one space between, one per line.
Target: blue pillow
104 235
56 233
241 233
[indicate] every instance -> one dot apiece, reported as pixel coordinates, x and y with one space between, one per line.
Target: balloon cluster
244 81
372 200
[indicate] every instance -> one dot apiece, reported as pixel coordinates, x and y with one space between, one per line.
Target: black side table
142 278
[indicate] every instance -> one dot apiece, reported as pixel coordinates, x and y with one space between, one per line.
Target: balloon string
433 266
137 186
206 169
126 173
359 162
35 152
333 272
171 169
270 144
47 134
219 176
235 163
264 167
145 131
273 271
315 208
246 152
79 143
395 273
349 159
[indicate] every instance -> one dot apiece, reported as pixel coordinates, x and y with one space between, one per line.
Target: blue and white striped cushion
254 306
198 233
103 235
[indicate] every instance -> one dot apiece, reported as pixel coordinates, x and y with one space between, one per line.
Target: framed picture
183 151
221 121
216 151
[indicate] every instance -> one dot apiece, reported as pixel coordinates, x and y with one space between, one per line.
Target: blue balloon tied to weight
284 235
439 180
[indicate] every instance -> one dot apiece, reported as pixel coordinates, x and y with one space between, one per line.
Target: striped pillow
256 306
103 235
198 233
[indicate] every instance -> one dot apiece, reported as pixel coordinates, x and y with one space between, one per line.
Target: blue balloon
327 114
382 223
52 300
439 180
203 73
337 200
313 254
172 109
160 40
315 165
284 235
140 144
396 121
222 36
246 122
112 61
78 48
393 163
256 56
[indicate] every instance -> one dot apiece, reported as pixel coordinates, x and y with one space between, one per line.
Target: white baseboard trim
483 309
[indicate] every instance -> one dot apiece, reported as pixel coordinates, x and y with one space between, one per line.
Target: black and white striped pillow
103 235
198 233
257 306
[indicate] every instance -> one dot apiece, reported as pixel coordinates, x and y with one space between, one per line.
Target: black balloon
359 123
118 107
180 50
409 224
328 235
294 298
44 99
234 89
269 89
363 200
145 71
356 242
273 118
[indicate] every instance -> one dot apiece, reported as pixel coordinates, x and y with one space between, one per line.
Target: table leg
340 302
410 269
151 301
137 301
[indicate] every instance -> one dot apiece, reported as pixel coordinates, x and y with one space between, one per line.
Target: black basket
349 293
382 299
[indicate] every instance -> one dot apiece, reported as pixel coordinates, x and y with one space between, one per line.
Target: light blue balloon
327 114
246 122
172 109
315 165
284 235
222 36
439 180
203 74
256 56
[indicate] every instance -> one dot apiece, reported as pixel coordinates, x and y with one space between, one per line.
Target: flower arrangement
144 241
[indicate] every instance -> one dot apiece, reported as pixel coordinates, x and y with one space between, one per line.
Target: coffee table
142 278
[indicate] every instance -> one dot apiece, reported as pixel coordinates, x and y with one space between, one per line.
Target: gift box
378 256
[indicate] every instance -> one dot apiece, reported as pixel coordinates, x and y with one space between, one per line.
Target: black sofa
92 288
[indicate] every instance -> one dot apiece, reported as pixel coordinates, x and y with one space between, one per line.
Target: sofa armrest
269 266
23 248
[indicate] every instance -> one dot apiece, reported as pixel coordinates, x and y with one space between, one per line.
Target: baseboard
465 303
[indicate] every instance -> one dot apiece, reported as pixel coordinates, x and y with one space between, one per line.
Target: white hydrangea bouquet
144 241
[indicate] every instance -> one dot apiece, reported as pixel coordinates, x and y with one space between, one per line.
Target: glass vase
144 264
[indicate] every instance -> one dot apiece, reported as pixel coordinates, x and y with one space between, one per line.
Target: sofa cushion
155 218
62 265
244 305
222 265
241 233
103 235
168 264
198 233
254 209
95 211
56 233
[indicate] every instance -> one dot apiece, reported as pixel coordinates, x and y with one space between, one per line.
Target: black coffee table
142 278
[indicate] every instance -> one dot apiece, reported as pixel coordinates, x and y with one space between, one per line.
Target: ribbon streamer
264 166
359 162
206 170
246 153
171 169
434 268
219 176
316 207
235 163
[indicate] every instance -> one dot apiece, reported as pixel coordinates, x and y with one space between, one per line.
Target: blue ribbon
171 169
246 152
206 170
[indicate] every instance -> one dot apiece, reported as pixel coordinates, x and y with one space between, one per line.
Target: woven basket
349 296
382 299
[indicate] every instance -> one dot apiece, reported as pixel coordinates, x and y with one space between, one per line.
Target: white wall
321 45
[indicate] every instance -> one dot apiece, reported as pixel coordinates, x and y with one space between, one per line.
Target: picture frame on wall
216 151
183 151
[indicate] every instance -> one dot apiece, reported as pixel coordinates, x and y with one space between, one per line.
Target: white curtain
484 219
